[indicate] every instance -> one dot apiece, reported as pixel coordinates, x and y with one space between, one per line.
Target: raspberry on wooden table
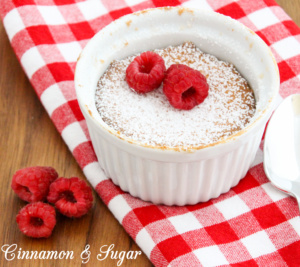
31 184
71 196
37 219
146 72
184 87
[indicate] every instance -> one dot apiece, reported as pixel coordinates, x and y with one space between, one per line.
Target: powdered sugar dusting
151 120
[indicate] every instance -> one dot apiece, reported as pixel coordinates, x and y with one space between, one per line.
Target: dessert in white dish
168 175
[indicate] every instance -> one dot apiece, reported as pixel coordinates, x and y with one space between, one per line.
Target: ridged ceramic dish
163 175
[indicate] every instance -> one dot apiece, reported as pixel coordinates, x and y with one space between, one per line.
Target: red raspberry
146 72
72 197
185 87
32 184
37 219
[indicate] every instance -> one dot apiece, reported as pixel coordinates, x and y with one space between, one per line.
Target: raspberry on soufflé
31 184
146 72
71 196
185 87
37 219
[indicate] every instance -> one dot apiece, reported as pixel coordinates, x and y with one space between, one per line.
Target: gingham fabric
253 224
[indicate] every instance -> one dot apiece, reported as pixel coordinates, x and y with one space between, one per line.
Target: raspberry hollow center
26 189
188 94
146 67
36 221
69 196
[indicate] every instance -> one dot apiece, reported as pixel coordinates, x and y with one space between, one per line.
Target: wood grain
29 138
292 8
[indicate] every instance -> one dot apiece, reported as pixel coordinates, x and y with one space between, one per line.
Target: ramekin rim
103 126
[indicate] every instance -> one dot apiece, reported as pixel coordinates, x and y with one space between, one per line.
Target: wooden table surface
29 138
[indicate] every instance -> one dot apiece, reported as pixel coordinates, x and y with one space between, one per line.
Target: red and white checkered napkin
253 224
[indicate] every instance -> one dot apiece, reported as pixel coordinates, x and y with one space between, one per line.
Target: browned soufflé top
151 120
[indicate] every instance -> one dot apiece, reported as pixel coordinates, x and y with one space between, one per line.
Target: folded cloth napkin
253 223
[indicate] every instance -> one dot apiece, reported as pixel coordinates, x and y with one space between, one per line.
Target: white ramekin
163 175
